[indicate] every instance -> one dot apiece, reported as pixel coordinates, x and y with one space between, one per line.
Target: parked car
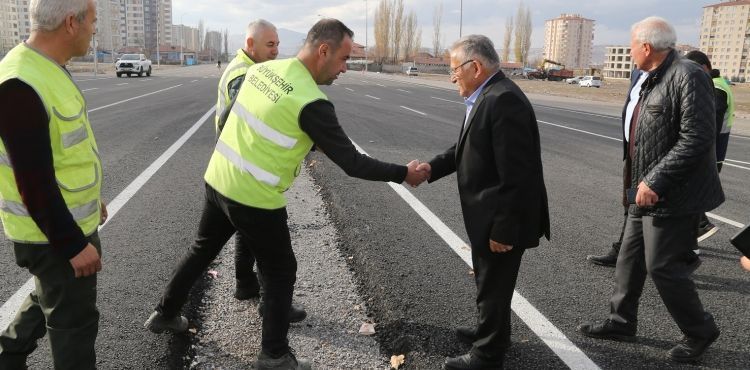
590 81
574 80
133 64
412 71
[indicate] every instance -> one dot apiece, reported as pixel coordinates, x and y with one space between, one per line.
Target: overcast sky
613 18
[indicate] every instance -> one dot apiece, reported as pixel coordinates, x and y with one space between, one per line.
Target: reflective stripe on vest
721 84
75 156
261 147
79 213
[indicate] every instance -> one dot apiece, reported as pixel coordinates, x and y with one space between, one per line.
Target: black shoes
296 313
609 259
705 231
471 362
158 323
691 349
466 334
286 362
247 289
608 329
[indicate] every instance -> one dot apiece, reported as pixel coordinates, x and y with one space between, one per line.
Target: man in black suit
501 185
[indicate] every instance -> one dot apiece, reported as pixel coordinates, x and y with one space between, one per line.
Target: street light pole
182 33
158 16
366 36
461 20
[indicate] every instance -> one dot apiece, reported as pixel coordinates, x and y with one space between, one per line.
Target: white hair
477 47
48 15
655 31
256 27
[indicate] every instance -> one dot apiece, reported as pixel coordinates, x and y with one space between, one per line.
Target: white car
133 64
573 80
590 81
412 71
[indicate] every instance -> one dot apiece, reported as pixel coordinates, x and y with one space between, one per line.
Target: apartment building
725 38
186 36
9 35
108 25
157 22
24 20
568 40
617 62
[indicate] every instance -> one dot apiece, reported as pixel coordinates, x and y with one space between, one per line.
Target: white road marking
93 88
381 85
137 97
10 307
194 81
734 165
725 220
349 89
577 130
413 110
579 112
335 84
372 97
448 100
547 332
363 81
122 84
740 137
402 90
734 160
94 79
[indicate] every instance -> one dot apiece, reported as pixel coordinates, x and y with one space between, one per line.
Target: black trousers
657 246
243 261
495 275
268 237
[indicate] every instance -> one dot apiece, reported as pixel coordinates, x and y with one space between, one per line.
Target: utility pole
461 20
366 36
158 17
96 57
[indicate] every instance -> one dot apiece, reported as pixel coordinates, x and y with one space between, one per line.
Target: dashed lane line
93 88
122 84
447 100
134 98
406 91
372 97
11 306
547 332
414 110
349 89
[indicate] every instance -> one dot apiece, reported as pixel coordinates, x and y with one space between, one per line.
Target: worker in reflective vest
50 184
279 114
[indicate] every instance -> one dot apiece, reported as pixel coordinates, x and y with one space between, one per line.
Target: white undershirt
635 95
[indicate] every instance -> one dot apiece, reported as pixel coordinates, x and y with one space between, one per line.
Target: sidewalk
229 336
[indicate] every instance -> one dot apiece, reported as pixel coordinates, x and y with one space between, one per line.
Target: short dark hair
700 58
329 31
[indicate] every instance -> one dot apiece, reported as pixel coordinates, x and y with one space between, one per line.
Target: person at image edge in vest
50 182
668 145
278 115
261 44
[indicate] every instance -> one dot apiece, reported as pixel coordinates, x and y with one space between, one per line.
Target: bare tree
397 22
523 34
201 32
226 44
507 38
410 36
437 22
382 30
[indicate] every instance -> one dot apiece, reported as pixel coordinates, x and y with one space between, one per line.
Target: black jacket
675 140
499 167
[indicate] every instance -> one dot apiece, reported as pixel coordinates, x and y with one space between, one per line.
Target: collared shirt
472 99
635 96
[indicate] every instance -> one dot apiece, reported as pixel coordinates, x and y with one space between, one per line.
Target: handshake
417 173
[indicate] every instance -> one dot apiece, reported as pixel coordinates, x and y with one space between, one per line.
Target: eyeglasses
454 70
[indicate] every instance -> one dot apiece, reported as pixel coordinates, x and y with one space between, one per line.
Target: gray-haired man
669 153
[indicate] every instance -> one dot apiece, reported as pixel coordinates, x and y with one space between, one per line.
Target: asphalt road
418 289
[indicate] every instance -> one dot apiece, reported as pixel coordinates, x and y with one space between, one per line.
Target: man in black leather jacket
670 159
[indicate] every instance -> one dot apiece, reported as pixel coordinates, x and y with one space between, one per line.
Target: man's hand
745 262
499 247
426 168
414 176
103 215
645 197
86 262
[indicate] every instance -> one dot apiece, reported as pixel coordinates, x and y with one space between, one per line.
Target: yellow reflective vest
236 68
721 84
261 148
75 156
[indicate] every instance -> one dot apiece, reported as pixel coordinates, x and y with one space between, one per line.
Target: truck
129 64
551 74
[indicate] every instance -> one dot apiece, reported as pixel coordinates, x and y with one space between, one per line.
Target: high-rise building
568 40
617 62
725 38
185 35
213 43
132 23
157 22
24 19
9 35
108 16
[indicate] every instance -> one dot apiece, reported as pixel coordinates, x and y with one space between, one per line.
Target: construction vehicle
550 74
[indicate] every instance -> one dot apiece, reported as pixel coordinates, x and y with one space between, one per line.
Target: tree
523 34
397 22
507 38
201 29
437 21
410 43
226 44
382 30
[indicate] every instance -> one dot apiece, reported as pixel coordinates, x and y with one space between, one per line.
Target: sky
613 18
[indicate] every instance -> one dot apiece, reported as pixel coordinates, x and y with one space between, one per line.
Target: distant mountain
291 42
